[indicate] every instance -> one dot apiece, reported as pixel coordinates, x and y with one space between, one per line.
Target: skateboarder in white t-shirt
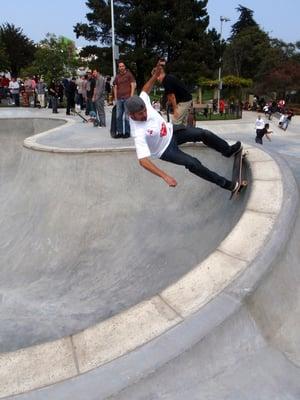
155 138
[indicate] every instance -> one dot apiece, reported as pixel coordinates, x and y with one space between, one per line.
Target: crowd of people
89 92
269 108
34 92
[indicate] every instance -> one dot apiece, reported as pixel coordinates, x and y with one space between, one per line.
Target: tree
283 79
55 58
145 30
251 53
18 49
4 64
90 56
246 51
245 21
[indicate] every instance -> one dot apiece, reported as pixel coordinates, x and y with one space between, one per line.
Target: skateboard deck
80 115
238 174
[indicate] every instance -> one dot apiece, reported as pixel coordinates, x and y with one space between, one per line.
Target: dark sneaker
231 186
234 149
234 187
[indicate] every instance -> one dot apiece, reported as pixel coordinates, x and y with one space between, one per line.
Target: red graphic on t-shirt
163 130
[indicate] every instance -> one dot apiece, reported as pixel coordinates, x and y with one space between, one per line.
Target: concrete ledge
124 332
174 308
36 366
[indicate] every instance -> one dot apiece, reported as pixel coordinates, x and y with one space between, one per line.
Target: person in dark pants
70 91
99 97
263 132
53 93
155 138
90 87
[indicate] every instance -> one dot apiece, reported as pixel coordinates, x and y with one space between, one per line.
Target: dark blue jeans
121 111
54 102
90 106
176 156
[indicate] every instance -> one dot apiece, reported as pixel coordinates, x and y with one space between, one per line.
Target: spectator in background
60 88
41 92
178 96
259 125
124 86
99 96
90 86
263 132
281 105
70 91
81 90
54 93
222 106
215 106
14 88
29 85
285 119
108 90
4 83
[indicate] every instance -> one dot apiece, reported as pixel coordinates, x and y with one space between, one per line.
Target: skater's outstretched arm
151 167
155 74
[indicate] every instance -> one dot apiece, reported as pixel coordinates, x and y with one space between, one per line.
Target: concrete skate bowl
99 257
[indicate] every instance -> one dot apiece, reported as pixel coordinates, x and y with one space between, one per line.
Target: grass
216 117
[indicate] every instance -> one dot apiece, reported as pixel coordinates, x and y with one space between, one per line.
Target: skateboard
80 115
237 173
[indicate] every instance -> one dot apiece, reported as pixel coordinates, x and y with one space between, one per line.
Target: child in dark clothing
262 132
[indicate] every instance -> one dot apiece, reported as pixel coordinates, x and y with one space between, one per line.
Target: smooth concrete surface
224 337
84 237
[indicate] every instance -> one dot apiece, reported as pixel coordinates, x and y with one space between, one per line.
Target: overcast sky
38 17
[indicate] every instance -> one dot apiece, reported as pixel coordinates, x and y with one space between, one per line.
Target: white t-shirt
259 123
14 87
153 136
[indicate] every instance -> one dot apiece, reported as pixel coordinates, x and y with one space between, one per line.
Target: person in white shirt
259 125
155 138
14 88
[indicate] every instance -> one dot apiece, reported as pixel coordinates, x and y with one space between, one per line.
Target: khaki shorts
183 112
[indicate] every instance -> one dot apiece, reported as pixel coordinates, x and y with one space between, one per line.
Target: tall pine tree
17 47
245 20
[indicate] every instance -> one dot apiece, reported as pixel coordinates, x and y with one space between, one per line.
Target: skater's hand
170 181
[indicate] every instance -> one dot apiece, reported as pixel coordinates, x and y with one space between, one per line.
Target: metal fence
207 113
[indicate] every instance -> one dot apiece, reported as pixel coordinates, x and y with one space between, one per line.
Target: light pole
113 37
222 19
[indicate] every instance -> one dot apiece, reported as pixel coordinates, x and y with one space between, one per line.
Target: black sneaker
231 186
234 149
234 187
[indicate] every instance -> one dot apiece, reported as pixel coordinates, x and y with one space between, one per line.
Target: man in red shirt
4 82
124 86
